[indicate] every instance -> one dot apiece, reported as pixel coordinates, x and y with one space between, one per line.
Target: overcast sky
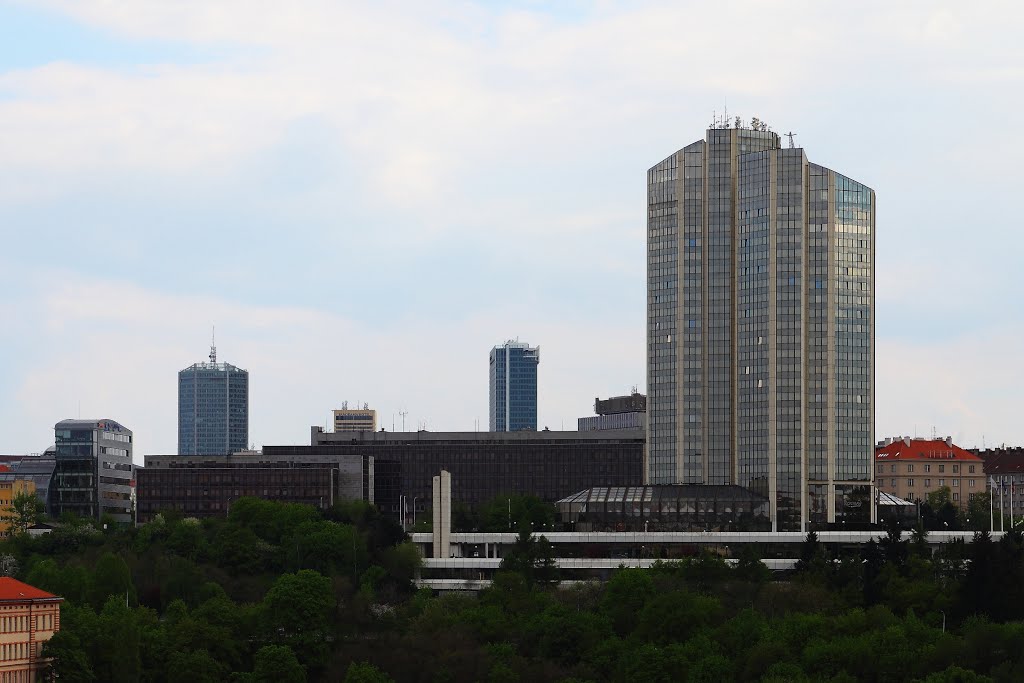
365 198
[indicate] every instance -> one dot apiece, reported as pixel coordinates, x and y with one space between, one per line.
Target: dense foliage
279 592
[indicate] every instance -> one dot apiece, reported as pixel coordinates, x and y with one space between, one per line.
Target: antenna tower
403 413
213 346
790 136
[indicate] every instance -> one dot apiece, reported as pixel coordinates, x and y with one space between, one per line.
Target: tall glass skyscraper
213 408
513 387
760 326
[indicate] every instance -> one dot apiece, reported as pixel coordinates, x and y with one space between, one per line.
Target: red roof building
28 618
912 468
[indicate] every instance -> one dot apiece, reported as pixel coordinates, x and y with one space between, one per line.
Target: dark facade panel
549 465
205 486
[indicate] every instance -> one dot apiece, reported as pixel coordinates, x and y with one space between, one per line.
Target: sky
364 198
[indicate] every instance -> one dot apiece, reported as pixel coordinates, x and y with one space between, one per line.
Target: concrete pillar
442 514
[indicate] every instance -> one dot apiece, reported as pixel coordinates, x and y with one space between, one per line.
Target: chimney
906 440
949 441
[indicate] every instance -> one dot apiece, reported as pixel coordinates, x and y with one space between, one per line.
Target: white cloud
967 387
115 348
453 119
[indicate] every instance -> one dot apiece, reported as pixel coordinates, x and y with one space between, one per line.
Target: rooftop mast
213 346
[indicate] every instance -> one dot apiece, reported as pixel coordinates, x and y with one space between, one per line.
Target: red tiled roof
12 589
924 449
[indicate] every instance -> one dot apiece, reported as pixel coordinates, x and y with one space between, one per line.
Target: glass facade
213 409
549 465
665 508
93 475
512 399
760 325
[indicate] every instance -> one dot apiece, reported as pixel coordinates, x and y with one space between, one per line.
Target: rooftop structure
618 412
355 419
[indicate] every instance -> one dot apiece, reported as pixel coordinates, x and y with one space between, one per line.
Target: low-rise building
912 468
1004 467
206 485
28 618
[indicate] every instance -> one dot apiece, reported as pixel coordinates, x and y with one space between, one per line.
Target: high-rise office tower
760 326
213 408
513 387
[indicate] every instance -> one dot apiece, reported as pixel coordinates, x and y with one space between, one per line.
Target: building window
956 483
910 468
894 483
956 495
956 469
970 482
927 483
970 470
927 468
893 470
910 482
942 468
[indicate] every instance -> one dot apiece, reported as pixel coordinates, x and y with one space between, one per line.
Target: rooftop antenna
213 346
403 413
790 136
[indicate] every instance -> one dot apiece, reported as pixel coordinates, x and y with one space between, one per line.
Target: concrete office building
355 420
513 387
213 408
482 465
93 474
617 412
205 486
760 326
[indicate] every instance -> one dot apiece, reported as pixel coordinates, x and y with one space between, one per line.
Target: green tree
25 511
110 577
195 666
812 556
532 558
271 520
624 597
297 610
363 672
277 664
69 660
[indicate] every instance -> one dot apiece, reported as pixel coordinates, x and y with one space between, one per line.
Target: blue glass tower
513 387
213 408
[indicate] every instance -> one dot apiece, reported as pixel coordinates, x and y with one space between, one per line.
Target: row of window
880 468
928 483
